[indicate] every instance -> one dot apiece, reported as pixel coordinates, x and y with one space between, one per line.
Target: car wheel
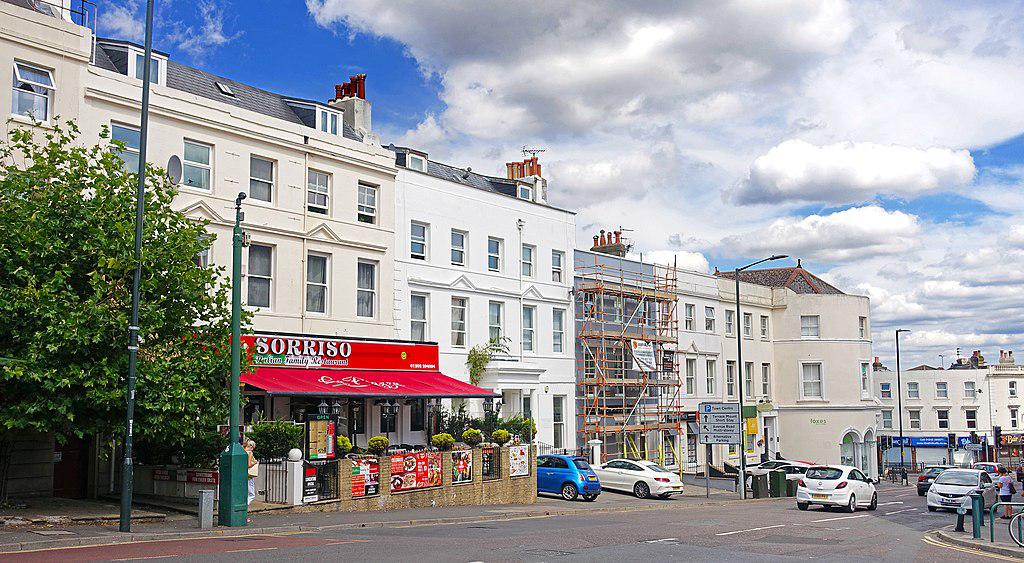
852 507
590 498
874 502
803 505
569 491
932 509
641 490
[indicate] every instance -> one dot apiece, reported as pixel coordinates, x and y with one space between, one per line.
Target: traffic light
997 435
951 440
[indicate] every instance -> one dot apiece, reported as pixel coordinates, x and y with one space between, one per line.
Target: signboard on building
519 461
1011 439
320 436
334 353
418 470
201 477
365 477
462 466
921 441
643 356
719 423
490 466
309 490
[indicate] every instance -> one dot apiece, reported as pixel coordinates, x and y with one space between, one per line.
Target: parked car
952 485
924 480
836 485
567 476
774 464
642 478
794 471
990 467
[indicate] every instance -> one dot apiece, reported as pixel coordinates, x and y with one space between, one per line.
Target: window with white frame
197 165
865 379
366 206
863 326
140 67
418 233
730 322
259 275
690 312
458 247
710 375
203 256
1013 417
130 138
366 289
558 421
942 415
913 390
885 390
495 320
526 191
914 416
557 330
327 121
1011 388
528 255
415 162
318 191
941 390
887 420
691 375
418 303
748 379
459 305
32 95
809 326
494 251
972 418
730 378
557 265
764 327
316 283
261 178
748 322
810 381
529 318
766 380
970 390
709 319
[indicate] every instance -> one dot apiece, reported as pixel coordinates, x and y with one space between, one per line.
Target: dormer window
137 64
526 192
415 162
327 121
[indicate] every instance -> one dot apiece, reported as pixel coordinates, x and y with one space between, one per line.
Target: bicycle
1016 529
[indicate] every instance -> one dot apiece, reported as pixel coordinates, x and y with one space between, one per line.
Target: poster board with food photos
419 470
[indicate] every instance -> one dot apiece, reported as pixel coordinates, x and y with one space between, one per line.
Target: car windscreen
825 473
656 467
933 472
962 478
581 464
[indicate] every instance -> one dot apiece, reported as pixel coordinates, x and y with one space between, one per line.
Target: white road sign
719 423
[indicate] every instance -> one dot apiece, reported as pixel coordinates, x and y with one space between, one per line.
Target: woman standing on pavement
1006 491
254 469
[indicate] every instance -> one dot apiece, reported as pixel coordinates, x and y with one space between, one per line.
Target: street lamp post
739 370
899 405
234 461
125 522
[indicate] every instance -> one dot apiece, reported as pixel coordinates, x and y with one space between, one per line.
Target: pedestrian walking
1020 474
1006 491
254 469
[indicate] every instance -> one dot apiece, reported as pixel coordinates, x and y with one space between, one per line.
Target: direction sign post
718 423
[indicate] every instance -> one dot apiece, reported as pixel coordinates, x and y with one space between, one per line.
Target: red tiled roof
794 278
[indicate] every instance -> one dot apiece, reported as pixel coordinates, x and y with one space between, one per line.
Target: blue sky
881 143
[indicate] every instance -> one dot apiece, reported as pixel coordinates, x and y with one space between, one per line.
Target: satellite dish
174 169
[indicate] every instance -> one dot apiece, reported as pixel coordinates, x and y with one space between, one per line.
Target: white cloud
682 259
200 42
854 233
796 170
124 21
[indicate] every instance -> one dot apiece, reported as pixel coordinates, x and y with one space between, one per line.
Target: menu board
489 464
418 470
319 437
365 477
519 461
462 466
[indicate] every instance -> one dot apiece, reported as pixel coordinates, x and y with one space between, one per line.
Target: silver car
951 487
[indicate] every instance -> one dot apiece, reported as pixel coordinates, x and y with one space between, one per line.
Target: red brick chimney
610 242
528 167
354 88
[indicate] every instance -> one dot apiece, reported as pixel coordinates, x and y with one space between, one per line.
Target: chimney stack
528 167
350 98
610 242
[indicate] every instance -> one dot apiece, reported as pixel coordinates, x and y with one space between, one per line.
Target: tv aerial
531 152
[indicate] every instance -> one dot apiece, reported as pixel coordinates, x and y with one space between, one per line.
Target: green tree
67 215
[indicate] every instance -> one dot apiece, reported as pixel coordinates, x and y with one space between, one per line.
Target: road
772 530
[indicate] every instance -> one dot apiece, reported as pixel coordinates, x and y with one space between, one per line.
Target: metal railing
992 521
327 480
275 475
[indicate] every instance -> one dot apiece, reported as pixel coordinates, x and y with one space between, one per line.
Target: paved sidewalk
1003 544
283 521
59 511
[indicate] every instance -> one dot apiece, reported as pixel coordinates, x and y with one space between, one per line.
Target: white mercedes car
836 485
642 478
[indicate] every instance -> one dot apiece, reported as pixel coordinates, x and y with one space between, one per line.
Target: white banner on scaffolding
643 356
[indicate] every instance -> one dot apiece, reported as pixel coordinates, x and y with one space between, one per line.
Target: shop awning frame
298 381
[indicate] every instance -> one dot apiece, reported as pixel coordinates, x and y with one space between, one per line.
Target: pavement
59 511
615 527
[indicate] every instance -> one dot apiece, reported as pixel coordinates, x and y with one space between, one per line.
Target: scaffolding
628 387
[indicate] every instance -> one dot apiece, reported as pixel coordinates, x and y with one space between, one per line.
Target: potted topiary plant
472 437
443 441
500 437
344 445
378 445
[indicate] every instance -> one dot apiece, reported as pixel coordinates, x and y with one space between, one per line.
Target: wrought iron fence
275 474
327 480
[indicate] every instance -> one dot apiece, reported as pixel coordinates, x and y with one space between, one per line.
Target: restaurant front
365 387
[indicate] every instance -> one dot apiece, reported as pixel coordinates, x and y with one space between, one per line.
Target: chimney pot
603 240
618 237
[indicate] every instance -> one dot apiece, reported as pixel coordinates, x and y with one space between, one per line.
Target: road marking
661 540
346 541
751 530
899 511
937 543
251 549
839 518
141 558
888 503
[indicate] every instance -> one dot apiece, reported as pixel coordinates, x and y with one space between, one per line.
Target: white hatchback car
951 487
836 485
642 478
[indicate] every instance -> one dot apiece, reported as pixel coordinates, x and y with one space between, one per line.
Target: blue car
567 476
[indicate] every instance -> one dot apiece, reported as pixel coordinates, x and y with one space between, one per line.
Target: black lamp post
899 404
740 372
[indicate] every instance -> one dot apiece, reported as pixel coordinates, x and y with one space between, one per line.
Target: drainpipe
519 225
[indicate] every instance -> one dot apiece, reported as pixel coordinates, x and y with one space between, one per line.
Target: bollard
977 516
206 508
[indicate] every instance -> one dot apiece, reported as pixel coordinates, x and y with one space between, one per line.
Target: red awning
360 383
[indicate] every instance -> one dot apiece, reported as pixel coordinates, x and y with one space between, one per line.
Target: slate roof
201 83
794 278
